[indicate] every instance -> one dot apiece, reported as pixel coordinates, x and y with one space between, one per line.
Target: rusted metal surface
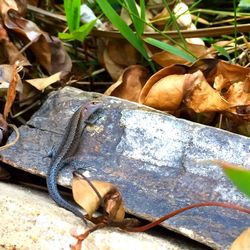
150 156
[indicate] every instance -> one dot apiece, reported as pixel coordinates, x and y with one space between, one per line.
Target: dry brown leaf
114 69
144 95
11 93
166 59
231 73
60 60
30 32
161 18
201 97
7 72
5 5
12 54
220 82
242 242
122 52
129 84
27 28
192 87
236 95
167 93
247 84
85 196
42 83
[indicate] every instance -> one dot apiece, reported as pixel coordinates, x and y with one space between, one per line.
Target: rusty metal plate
150 156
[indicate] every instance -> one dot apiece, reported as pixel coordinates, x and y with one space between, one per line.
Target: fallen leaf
60 60
6 75
236 95
30 32
231 73
42 83
161 18
6 5
165 58
201 97
167 93
155 92
12 54
122 52
114 69
242 242
11 93
129 84
85 196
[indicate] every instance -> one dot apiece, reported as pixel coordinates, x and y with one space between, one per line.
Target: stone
153 158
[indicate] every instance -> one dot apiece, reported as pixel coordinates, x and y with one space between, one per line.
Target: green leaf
137 19
80 34
119 23
222 51
72 11
169 48
240 177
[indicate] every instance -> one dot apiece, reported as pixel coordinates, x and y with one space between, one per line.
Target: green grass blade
80 34
72 11
137 19
222 51
119 23
171 49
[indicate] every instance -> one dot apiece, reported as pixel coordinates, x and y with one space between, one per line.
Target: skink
66 150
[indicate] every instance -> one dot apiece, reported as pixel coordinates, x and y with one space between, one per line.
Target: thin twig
13 142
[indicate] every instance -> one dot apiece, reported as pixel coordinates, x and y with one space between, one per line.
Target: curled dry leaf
6 76
30 32
242 242
130 83
158 90
122 52
209 85
161 18
5 5
85 196
166 59
11 93
48 51
14 21
171 92
201 97
236 95
115 70
118 55
60 60
231 73
10 54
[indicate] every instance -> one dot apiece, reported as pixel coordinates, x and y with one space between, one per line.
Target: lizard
66 150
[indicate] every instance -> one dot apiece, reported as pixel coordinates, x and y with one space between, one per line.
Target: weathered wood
150 156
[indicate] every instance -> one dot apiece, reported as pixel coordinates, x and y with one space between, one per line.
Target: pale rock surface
30 220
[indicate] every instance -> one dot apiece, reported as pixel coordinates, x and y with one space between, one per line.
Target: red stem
178 211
